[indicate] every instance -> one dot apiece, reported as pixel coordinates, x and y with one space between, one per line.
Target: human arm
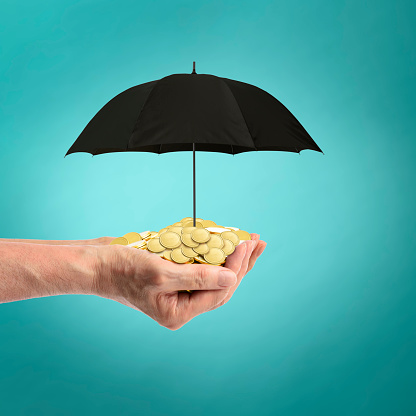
37 270
100 241
136 278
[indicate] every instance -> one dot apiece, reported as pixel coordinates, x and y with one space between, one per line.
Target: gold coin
145 234
200 259
243 235
152 233
200 235
140 244
188 251
188 229
132 237
177 230
216 230
170 240
214 256
208 223
190 260
215 241
162 253
178 257
191 224
120 241
154 245
177 224
232 236
167 255
187 240
186 219
201 249
163 230
228 247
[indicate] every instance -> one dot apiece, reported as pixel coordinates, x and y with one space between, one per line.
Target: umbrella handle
193 152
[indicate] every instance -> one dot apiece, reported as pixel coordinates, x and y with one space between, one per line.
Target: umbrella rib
242 115
144 105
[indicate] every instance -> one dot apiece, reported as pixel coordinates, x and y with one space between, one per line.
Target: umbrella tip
193 71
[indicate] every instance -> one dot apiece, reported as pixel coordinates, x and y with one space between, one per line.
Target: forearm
93 241
37 270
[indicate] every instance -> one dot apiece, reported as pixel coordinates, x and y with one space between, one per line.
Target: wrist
110 271
82 270
102 270
71 270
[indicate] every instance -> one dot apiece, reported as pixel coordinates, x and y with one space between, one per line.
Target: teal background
325 322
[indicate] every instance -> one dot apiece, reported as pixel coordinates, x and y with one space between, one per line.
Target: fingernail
227 278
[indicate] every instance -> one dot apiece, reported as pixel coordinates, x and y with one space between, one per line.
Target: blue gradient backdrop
325 323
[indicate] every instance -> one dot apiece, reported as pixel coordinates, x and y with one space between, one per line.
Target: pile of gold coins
184 243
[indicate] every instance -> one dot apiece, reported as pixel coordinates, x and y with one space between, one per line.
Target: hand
242 261
145 282
100 241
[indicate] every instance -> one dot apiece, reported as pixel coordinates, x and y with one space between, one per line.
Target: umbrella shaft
193 151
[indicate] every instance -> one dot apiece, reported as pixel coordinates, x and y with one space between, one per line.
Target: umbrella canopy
173 113
193 112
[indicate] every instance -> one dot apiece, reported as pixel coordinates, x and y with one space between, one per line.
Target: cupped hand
145 282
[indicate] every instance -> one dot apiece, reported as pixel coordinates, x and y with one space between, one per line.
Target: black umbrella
193 112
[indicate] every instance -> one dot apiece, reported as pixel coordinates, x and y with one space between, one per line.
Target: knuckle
200 278
158 279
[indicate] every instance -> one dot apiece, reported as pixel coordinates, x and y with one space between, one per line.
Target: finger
205 300
235 260
196 277
244 263
255 237
244 266
243 269
256 254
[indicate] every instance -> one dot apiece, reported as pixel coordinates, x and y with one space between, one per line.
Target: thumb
199 277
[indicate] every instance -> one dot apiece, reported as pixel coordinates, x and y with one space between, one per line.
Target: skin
101 241
136 278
